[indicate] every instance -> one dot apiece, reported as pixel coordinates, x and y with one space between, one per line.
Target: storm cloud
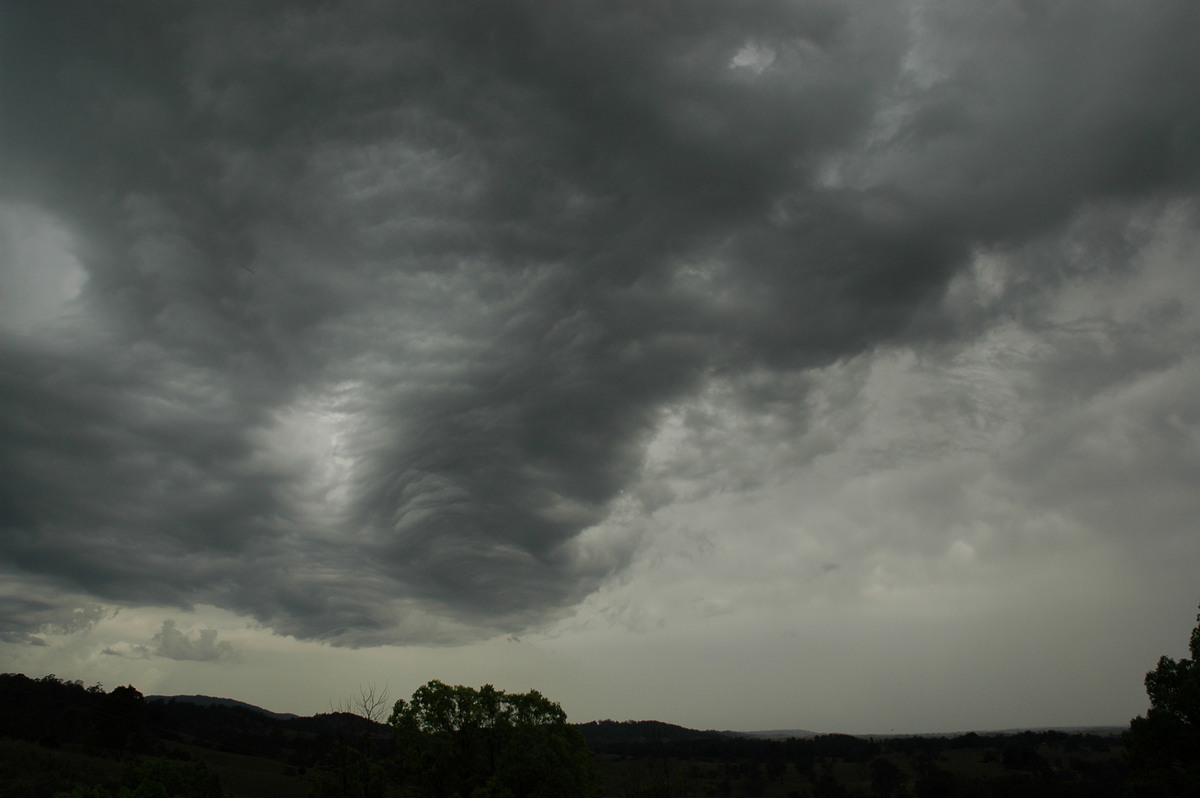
362 319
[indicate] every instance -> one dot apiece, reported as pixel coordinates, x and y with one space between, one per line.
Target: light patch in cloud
173 643
39 271
312 444
754 57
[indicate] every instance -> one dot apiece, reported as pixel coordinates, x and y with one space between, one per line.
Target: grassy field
251 777
28 769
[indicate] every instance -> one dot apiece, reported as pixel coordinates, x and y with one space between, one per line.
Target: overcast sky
821 364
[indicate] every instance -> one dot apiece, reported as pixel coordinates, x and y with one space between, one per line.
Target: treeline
1029 764
459 741
62 739
649 738
55 713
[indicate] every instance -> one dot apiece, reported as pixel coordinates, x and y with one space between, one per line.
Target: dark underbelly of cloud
383 306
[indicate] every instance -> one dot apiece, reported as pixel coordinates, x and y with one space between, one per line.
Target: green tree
459 742
1164 744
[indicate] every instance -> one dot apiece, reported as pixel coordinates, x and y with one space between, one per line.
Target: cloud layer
393 323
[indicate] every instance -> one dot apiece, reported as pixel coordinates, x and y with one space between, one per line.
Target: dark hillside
208 700
599 733
57 735
51 729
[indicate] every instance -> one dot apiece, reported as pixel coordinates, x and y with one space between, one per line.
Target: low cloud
203 647
24 618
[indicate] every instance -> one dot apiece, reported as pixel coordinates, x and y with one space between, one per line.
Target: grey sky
753 348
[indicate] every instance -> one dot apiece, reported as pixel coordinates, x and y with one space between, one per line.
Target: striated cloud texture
364 319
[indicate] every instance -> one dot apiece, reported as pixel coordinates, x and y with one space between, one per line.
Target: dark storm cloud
23 618
385 300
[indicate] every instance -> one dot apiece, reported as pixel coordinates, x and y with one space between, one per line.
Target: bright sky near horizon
824 364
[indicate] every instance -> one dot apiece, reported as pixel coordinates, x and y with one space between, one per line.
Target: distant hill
605 732
210 701
1095 730
776 734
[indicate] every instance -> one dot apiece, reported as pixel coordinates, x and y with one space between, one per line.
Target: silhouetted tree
459 742
886 778
1022 754
825 783
354 767
934 782
1164 744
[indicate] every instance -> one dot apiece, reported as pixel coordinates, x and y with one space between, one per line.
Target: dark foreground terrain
1044 763
63 739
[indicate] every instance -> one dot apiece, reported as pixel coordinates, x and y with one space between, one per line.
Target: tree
353 768
886 778
459 742
1164 744
371 703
